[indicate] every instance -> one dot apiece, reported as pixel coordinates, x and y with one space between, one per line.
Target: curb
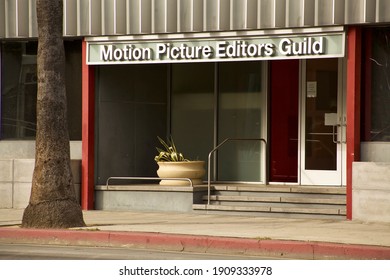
194 243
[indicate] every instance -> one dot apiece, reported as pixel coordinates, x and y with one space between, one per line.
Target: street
56 252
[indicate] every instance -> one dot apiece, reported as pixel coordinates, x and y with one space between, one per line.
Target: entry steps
289 201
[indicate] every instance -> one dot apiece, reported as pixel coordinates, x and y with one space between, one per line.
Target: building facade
309 78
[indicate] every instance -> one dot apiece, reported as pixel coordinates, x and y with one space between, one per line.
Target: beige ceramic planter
193 170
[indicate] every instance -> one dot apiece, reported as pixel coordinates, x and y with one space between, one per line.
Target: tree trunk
53 202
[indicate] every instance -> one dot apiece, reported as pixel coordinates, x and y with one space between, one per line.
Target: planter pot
193 170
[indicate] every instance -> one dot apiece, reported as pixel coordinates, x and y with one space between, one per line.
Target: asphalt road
56 252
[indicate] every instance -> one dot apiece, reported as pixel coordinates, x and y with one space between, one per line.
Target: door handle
343 132
335 134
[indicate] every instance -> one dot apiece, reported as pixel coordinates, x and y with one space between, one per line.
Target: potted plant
172 164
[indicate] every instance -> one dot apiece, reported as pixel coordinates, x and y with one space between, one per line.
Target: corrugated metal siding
17 18
132 17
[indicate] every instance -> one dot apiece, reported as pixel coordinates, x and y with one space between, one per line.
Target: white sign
311 89
201 50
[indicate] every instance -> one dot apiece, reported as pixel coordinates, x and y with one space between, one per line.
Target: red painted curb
191 243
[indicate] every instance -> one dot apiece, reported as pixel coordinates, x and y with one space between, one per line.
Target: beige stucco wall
16 178
25 149
371 192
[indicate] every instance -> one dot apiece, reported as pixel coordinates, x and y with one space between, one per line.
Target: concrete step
279 212
276 200
281 189
269 209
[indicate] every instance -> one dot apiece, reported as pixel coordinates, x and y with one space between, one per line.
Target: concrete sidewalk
294 238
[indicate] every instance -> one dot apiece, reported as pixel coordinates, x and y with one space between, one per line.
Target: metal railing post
216 148
148 178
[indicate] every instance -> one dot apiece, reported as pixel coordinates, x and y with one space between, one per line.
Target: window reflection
19 89
376 97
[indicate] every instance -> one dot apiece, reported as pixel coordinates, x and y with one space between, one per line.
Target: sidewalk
292 238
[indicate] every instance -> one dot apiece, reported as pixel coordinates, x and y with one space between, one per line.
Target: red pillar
88 122
353 106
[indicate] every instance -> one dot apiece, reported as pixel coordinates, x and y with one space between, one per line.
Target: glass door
322 123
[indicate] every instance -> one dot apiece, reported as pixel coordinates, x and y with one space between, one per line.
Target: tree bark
53 202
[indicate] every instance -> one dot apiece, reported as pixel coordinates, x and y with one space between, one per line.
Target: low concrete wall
148 197
16 180
371 192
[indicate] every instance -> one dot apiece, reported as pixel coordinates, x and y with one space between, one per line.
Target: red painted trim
88 121
198 243
353 107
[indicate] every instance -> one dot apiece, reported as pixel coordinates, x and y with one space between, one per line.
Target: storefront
286 89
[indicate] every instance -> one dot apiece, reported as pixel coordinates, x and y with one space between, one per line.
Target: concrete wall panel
16 180
371 192
23 170
6 195
371 205
22 149
144 201
6 170
22 193
375 151
371 176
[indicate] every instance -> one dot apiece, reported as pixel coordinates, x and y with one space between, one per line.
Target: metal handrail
148 178
215 149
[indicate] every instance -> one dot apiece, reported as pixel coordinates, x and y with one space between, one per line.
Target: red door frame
284 96
354 60
88 132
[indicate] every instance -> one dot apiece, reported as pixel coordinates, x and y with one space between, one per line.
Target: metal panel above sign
208 50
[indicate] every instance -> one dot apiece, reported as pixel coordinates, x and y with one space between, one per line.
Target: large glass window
192 108
376 87
73 87
198 104
132 112
241 108
19 89
214 101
